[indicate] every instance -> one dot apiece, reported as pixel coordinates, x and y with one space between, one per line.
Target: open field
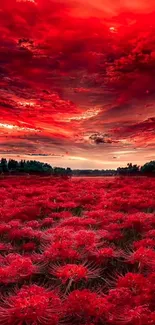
78 251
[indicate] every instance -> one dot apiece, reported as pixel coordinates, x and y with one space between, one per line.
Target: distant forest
12 166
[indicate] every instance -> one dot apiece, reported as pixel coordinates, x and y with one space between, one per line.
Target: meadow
77 251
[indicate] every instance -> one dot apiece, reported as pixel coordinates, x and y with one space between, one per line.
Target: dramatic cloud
98 138
77 81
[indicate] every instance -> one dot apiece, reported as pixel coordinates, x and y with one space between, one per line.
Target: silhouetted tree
68 171
30 166
4 165
148 168
21 166
129 170
12 165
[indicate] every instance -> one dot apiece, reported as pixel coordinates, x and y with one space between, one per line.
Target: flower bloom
31 305
75 272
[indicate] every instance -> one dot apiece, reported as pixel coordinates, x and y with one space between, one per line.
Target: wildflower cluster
77 251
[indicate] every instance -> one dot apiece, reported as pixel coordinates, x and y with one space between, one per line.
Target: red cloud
60 59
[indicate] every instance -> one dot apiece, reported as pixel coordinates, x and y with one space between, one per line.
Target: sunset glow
15 127
78 77
7 126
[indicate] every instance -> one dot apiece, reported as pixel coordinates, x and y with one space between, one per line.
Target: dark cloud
99 138
144 127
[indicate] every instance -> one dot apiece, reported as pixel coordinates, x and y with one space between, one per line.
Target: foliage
31 167
129 170
148 168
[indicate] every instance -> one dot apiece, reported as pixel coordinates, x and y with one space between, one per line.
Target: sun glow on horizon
78 158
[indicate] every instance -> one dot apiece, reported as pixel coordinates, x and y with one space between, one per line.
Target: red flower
135 316
47 222
146 242
61 250
28 247
134 282
120 296
87 305
145 257
86 238
4 228
33 224
31 305
105 254
75 272
20 266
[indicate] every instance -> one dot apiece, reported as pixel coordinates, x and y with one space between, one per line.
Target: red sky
77 81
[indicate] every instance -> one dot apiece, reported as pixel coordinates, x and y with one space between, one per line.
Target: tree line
130 169
147 169
12 166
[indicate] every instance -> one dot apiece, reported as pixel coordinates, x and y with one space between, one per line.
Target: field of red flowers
77 251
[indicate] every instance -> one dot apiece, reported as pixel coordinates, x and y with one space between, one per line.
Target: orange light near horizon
124 152
78 158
